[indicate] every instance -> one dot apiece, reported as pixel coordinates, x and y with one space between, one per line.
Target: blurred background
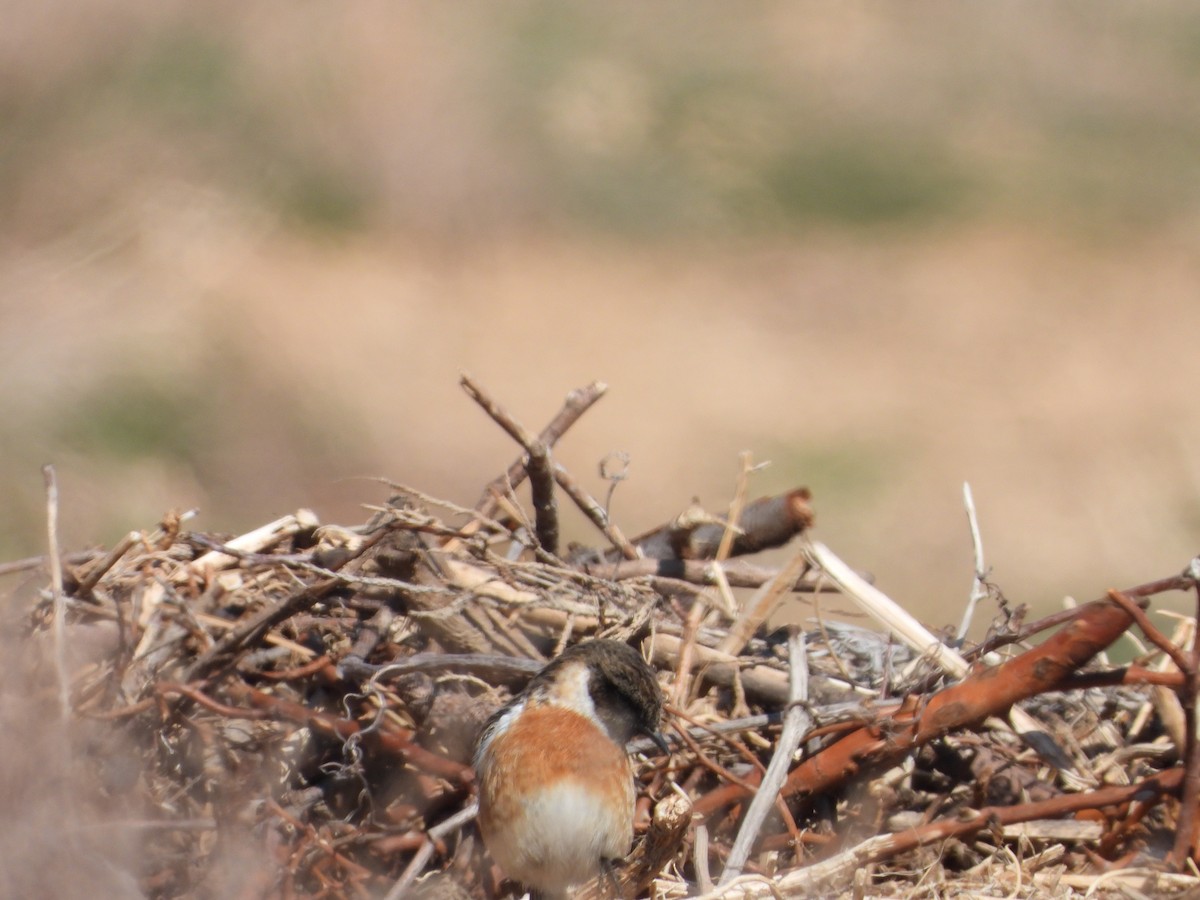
246 250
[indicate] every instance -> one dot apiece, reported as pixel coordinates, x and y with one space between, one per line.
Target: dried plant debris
291 712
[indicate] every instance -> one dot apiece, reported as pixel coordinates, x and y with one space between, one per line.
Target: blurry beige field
246 253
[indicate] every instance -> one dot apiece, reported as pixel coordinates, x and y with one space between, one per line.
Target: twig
1187 829
594 511
421 858
894 617
683 671
1164 700
978 588
1181 582
321 842
21 565
711 729
712 765
735 507
737 572
613 476
763 682
837 870
970 701
668 826
56 588
96 572
494 669
700 857
198 696
919 638
537 464
1152 633
796 722
764 602
577 403
763 523
252 542
683 664
256 626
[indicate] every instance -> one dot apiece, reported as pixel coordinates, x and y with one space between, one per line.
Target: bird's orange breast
555 796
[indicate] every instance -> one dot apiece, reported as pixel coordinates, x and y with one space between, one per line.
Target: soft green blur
247 248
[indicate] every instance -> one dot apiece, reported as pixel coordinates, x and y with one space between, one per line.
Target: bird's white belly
567 831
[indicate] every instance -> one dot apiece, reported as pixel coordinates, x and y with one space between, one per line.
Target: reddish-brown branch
984 694
311 668
221 653
1153 635
199 697
393 740
1149 589
719 770
351 867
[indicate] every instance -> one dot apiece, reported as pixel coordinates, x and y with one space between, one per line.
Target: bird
556 794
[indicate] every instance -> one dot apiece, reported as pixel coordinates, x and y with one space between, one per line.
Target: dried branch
839 869
763 604
764 523
326 657
106 562
594 511
577 403
252 542
737 573
537 464
796 721
907 628
990 692
668 828
978 587
59 596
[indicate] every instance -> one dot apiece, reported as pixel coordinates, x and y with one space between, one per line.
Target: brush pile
291 712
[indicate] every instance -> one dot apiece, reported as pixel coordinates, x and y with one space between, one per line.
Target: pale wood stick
56 588
764 602
889 613
251 542
766 684
901 623
796 723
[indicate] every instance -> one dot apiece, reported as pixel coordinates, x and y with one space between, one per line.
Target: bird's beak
660 742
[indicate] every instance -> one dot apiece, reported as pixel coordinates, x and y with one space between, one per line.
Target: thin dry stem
56 588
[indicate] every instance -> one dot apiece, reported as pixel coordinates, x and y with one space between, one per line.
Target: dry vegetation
290 712
248 247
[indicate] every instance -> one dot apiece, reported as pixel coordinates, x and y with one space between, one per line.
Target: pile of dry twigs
291 712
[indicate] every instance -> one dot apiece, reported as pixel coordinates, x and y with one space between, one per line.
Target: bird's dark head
621 689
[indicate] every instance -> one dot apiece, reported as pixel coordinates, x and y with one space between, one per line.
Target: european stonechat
556 794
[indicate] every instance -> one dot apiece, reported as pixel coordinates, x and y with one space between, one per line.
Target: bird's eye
604 690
